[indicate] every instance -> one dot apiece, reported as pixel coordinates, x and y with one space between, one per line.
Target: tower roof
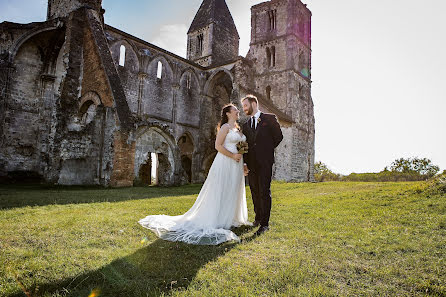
213 11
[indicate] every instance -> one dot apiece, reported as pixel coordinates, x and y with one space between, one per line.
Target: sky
378 69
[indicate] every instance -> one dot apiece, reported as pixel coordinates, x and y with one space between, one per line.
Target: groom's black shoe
256 223
262 230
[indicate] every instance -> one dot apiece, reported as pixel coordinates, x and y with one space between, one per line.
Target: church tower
212 38
280 50
62 8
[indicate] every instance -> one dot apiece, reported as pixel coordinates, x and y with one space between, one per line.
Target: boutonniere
259 120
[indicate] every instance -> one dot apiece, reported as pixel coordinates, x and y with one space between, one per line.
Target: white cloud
173 38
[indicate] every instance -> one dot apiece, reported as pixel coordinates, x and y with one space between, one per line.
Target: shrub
437 184
323 173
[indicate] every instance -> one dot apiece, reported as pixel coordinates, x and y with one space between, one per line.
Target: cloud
23 11
173 38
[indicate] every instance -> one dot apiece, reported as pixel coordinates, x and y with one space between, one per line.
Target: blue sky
378 69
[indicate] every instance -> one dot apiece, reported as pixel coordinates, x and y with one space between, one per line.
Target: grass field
326 239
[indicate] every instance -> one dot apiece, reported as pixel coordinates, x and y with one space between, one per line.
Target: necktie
253 125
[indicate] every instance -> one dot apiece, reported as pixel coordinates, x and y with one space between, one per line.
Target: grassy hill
326 239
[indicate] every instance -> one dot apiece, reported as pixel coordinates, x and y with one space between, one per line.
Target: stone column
142 78
175 91
46 107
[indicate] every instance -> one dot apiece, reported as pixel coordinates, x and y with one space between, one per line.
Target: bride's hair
224 117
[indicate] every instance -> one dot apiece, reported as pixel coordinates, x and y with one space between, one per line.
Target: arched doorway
154 158
219 92
207 163
186 146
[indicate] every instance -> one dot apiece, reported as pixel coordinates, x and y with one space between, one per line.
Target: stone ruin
83 103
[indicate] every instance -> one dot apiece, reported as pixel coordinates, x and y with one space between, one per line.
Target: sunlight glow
95 293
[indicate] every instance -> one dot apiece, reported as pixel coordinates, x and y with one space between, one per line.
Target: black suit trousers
260 185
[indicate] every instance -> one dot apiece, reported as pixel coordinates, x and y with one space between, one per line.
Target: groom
263 134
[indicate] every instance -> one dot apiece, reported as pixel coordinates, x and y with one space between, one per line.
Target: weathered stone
85 103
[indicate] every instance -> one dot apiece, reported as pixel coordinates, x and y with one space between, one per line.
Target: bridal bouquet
242 147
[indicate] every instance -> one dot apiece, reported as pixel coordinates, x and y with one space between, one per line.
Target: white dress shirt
256 119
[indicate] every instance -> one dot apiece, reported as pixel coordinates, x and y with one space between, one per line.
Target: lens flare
305 72
144 240
95 292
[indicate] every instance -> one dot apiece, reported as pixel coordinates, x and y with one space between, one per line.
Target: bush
384 176
323 173
411 169
437 185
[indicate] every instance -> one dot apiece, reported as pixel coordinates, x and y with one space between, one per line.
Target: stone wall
225 45
73 115
281 54
62 8
123 161
176 100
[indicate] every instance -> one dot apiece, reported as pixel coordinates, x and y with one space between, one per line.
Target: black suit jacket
262 141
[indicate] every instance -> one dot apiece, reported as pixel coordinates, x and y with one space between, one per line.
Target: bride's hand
237 157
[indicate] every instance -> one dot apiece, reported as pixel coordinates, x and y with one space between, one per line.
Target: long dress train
220 205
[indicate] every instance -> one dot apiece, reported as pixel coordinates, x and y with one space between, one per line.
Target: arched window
87 112
272 17
268 92
122 55
200 44
273 56
188 81
159 71
268 57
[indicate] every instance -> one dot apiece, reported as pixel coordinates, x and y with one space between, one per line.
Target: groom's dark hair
251 99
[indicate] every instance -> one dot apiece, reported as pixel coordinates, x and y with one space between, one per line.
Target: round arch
28 35
193 75
166 63
187 149
131 58
151 141
211 80
90 96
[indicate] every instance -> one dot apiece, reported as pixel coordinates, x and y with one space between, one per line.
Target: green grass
327 239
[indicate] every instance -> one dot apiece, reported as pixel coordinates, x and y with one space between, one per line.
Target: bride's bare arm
221 135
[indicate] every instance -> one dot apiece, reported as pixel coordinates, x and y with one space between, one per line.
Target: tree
323 173
421 166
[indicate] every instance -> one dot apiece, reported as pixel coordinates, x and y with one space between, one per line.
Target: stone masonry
83 103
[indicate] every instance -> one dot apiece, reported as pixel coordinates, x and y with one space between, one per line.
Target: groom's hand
245 169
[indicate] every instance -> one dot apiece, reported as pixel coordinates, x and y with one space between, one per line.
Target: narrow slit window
273 56
268 92
159 71
268 57
200 44
188 81
122 55
272 17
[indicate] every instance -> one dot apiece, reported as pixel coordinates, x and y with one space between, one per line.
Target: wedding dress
220 205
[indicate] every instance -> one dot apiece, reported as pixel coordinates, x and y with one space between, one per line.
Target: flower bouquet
242 147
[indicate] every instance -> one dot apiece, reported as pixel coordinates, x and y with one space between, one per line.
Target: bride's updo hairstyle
224 117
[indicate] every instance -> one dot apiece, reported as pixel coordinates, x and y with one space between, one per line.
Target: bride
221 203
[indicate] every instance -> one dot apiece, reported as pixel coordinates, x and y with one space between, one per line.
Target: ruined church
84 103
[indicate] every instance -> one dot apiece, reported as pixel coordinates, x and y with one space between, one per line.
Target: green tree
421 166
323 173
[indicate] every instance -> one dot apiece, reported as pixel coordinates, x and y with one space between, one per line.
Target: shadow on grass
151 271
21 195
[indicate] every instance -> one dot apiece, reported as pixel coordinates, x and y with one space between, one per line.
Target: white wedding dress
220 205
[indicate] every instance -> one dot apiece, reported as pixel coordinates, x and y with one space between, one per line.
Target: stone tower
281 53
212 38
61 8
